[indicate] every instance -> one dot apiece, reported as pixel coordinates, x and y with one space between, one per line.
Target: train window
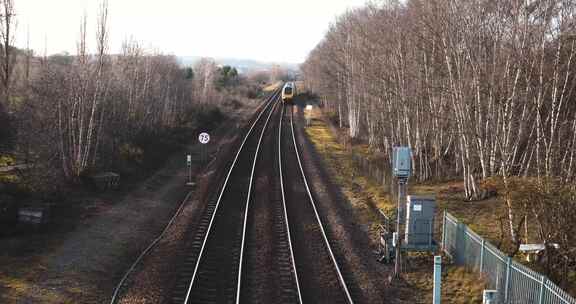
288 90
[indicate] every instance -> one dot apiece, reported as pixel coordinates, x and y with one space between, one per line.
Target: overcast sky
266 30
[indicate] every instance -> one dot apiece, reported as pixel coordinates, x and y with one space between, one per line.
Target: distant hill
243 65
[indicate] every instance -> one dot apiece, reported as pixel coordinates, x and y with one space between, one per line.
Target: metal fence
514 282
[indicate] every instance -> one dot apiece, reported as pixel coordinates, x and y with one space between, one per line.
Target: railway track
323 281
210 272
261 240
269 272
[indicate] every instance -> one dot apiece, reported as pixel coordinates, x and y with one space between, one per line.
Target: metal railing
514 282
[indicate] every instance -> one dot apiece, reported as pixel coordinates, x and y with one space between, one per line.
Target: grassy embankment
365 195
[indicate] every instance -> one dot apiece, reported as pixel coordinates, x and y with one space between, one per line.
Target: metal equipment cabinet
420 221
401 162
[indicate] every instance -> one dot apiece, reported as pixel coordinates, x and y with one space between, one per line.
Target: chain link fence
514 282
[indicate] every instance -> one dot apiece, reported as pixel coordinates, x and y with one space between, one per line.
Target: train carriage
288 92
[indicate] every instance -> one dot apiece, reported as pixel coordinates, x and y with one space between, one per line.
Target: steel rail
245 222
340 277
271 102
284 206
154 242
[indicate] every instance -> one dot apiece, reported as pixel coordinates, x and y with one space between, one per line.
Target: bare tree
80 109
478 89
7 61
7 54
205 75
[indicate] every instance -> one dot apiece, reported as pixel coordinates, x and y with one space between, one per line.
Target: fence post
444 231
437 293
542 287
482 258
507 284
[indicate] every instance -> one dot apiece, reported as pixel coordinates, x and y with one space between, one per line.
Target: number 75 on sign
204 138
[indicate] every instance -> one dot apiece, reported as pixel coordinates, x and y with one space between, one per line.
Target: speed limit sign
204 138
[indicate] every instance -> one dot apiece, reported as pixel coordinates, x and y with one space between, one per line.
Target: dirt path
84 264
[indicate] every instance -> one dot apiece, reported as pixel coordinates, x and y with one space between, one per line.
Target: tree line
477 89
70 115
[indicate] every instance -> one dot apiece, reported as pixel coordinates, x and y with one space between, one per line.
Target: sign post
189 165
308 114
401 169
203 138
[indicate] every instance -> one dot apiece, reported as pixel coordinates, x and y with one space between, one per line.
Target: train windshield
288 90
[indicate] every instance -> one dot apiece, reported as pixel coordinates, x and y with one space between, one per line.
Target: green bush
6 161
7 178
131 153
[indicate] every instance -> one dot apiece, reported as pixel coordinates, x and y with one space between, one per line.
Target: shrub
7 131
7 178
131 153
232 103
209 117
6 161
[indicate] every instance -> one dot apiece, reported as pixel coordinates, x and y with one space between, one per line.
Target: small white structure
533 250
33 215
489 296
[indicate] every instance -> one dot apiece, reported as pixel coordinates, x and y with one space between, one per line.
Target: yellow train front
288 92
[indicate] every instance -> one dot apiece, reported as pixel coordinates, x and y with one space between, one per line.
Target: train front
288 93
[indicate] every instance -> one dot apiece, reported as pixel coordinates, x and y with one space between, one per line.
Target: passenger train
288 92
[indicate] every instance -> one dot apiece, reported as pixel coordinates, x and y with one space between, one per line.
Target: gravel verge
368 279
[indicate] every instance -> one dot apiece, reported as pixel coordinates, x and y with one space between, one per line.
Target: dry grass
366 196
462 286
458 284
19 283
363 194
7 177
